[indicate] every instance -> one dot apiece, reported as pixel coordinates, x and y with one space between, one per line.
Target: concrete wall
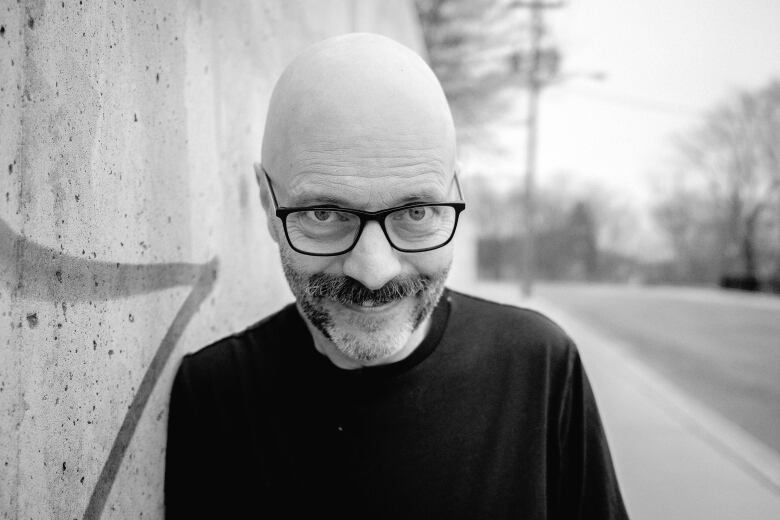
130 226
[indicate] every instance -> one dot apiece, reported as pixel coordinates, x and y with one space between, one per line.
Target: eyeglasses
329 230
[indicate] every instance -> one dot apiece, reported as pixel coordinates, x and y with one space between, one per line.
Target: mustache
344 289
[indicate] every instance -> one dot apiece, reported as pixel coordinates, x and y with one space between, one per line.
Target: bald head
357 103
360 122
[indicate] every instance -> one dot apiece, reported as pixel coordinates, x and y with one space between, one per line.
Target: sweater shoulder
240 350
506 315
510 327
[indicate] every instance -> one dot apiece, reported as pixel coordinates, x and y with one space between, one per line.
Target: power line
647 105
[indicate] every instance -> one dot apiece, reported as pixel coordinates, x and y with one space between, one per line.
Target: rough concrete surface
130 226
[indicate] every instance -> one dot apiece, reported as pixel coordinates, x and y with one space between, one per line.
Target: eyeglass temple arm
270 187
457 184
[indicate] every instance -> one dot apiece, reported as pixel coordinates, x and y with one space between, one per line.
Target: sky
665 62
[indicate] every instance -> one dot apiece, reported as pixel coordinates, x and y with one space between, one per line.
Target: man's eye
322 215
417 213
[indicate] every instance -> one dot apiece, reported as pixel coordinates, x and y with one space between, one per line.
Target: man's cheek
431 262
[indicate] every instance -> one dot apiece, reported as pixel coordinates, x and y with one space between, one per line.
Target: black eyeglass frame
379 216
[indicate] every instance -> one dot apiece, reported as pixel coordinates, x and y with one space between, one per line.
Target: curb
750 455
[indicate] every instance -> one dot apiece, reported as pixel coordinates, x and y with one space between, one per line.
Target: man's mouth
372 305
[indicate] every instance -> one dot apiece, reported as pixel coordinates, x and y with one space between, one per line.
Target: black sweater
491 417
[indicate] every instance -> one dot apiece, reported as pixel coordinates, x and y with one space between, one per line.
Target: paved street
722 348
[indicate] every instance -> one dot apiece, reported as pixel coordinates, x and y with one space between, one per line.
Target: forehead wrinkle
374 161
373 169
311 185
355 137
429 191
350 138
300 183
361 191
377 149
367 146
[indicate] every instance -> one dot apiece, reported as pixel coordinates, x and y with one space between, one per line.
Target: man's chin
371 333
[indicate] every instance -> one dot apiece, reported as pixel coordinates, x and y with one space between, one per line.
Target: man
379 394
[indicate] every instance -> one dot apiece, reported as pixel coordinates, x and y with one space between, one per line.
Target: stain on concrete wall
130 226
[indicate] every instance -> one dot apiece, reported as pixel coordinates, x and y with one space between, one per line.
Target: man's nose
373 261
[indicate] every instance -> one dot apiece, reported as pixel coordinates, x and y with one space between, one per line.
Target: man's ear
265 201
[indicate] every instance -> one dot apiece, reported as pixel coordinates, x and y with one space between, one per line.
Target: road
721 348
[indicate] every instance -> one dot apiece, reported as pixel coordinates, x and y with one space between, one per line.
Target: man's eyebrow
418 197
319 200
341 202
331 199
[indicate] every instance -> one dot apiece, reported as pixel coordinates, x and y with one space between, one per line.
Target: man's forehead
366 169
367 189
368 135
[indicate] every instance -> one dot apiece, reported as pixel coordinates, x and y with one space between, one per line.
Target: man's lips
371 306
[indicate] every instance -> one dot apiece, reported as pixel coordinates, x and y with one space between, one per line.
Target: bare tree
479 51
733 157
687 218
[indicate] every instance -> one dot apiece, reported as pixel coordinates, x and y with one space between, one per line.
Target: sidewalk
674 458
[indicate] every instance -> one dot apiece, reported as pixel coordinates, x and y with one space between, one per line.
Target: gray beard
364 338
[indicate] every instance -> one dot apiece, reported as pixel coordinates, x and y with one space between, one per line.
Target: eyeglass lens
325 231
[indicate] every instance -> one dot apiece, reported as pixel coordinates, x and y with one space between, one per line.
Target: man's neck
328 349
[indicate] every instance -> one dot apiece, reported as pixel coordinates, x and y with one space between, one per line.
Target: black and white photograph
390 259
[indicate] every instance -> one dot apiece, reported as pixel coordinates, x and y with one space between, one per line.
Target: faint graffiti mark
202 288
48 274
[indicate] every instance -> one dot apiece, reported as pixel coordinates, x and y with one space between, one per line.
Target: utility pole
535 85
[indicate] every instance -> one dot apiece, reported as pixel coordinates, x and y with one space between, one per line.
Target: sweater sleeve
587 484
